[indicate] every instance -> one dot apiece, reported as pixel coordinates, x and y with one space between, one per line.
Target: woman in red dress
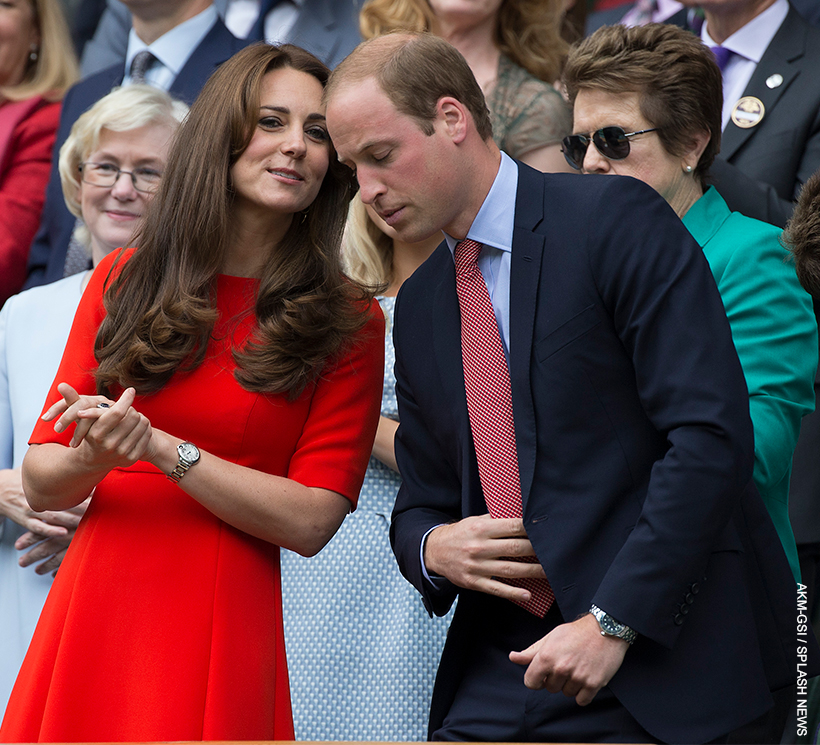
238 379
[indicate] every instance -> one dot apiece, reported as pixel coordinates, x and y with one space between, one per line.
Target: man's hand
472 551
574 658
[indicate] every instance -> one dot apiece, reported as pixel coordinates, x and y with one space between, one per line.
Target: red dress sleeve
337 439
22 193
78 363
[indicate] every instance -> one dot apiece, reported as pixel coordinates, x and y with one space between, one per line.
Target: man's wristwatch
188 456
611 627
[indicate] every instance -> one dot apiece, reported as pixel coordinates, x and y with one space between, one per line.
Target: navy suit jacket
635 452
327 28
48 251
760 170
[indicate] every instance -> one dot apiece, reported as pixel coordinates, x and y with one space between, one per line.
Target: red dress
164 622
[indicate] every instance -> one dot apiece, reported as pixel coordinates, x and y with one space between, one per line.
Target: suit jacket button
695 588
690 598
684 609
678 619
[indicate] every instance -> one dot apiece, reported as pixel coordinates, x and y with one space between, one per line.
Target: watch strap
623 631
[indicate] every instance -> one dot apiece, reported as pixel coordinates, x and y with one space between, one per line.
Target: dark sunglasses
611 142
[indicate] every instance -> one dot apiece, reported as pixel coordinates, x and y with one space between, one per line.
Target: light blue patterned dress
362 651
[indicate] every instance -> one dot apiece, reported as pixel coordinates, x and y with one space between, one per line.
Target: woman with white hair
110 166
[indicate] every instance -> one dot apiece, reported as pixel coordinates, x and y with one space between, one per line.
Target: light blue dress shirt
493 227
172 49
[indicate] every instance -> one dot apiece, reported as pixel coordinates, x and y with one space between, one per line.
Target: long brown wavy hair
527 31
161 308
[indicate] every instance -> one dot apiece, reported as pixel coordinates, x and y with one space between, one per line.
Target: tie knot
465 254
722 55
140 64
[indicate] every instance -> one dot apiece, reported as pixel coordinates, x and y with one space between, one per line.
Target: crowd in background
714 105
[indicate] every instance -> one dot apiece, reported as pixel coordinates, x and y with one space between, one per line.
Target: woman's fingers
120 430
69 397
72 406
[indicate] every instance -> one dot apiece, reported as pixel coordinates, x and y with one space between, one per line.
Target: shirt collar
493 225
666 9
173 48
752 40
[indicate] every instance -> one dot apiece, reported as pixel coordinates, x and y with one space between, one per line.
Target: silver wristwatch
611 627
188 456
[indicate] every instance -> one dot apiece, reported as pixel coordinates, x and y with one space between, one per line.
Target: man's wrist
611 627
429 575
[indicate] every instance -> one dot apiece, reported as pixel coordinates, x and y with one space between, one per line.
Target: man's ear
454 117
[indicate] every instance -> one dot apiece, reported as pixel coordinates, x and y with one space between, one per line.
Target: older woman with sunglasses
647 104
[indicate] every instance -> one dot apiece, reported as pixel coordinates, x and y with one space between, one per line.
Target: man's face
409 178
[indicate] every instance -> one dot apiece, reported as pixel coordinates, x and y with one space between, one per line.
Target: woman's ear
698 144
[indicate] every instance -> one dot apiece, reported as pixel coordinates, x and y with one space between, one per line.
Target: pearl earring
688 169
32 55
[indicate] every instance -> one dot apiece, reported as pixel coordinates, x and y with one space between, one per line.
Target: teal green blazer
775 334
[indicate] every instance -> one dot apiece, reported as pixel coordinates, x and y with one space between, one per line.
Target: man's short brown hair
676 76
415 71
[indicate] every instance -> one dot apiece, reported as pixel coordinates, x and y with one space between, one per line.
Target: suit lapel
785 49
315 29
218 45
447 332
525 273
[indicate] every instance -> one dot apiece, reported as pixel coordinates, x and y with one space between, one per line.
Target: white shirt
748 43
172 49
242 14
665 9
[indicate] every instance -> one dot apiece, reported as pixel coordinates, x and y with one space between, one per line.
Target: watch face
188 451
610 625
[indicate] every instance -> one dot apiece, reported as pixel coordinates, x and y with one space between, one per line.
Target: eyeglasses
611 142
106 174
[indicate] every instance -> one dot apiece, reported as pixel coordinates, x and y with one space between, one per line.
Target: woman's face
648 160
18 34
112 213
283 167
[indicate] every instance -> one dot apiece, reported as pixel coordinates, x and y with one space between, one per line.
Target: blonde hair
367 253
121 110
55 70
528 31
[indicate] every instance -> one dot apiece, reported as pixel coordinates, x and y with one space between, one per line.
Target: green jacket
775 334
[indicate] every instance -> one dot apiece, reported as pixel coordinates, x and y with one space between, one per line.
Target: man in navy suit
327 28
188 42
673 611
771 104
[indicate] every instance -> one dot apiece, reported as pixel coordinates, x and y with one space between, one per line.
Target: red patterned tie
489 403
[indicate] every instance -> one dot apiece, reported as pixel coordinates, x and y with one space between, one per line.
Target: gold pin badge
773 81
748 112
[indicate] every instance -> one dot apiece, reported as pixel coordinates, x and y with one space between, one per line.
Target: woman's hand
113 436
14 506
50 550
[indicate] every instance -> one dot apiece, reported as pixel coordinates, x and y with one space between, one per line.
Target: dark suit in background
327 28
760 170
635 454
48 251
